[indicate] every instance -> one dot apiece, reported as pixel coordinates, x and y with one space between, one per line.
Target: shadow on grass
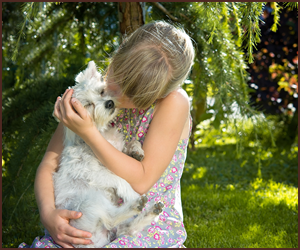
225 204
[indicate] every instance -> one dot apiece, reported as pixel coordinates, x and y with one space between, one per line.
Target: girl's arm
168 123
56 221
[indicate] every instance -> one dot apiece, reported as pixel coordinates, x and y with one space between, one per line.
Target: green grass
231 202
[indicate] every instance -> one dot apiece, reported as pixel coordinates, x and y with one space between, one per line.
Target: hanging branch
164 10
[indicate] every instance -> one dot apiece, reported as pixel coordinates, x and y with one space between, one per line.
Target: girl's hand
57 224
73 115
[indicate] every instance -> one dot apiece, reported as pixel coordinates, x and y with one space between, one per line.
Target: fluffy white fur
83 184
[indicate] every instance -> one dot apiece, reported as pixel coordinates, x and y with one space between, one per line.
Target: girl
145 74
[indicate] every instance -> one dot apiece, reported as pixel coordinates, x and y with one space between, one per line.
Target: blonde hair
152 62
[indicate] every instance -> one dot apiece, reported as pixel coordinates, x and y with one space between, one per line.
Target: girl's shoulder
177 99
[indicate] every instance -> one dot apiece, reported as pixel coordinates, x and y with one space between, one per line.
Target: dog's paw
158 208
137 155
142 202
134 149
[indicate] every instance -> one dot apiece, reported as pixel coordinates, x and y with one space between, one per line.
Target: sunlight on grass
275 193
200 172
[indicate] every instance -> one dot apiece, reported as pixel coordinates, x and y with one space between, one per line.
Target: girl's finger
56 111
79 108
61 104
67 101
77 241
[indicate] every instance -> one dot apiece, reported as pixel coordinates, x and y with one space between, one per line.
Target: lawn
241 202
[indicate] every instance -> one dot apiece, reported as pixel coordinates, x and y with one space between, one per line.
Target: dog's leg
134 149
142 220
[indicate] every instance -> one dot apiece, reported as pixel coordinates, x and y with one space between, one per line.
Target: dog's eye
102 92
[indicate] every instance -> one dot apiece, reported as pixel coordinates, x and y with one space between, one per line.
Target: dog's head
91 92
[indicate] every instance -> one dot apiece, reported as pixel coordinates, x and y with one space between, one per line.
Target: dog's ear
88 73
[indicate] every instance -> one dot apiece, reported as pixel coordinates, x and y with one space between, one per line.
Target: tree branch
164 10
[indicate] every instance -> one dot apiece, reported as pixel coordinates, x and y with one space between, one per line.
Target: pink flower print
38 244
168 227
180 155
147 238
156 236
170 178
169 187
152 223
175 158
179 232
125 239
130 246
127 126
125 119
144 119
167 204
180 240
122 242
134 110
140 134
157 198
174 170
146 130
169 222
121 115
165 214
151 193
171 240
182 224
141 111
155 185
140 243
140 129
145 245
162 218
173 201
120 125
139 235
162 184
147 125
131 134
151 230
134 117
47 247
157 227
151 116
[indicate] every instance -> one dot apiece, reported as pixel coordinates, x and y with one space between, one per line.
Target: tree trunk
130 16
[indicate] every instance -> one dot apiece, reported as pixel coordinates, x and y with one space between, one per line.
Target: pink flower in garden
144 119
174 170
151 230
156 236
165 214
170 178
140 134
122 242
169 187
141 111
162 184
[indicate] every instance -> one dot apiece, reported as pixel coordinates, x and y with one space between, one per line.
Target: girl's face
115 90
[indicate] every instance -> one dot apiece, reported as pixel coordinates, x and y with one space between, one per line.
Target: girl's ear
90 72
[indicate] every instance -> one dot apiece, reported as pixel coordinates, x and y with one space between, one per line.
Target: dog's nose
109 104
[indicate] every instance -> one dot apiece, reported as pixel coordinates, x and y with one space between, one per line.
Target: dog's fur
83 184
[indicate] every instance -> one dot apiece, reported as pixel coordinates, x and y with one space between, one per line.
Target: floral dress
168 230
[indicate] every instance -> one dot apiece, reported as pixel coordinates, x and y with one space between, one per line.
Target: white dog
83 184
